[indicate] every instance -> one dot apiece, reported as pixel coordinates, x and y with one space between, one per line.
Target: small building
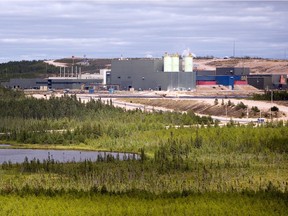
268 81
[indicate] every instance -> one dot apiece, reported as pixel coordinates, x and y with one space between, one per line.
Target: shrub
241 105
229 103
255 109
274 109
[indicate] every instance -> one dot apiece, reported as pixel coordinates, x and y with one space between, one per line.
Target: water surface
18 155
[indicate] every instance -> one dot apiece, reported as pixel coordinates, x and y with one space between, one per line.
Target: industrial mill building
168 73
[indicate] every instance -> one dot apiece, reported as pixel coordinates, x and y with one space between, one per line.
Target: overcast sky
56 29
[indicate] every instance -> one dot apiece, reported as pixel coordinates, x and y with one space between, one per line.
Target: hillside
256 65
87 65
26 69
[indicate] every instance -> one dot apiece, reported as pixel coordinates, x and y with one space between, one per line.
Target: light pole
247 113
271 104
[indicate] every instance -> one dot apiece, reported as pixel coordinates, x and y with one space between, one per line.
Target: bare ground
208 107
262 66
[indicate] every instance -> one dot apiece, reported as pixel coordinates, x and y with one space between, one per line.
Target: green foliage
230 104
277 95
238 164
255 109
241 105
25 69
6 94
66 120
274 109
133 204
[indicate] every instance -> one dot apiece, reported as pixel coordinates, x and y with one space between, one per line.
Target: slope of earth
256 65
220 107
87 65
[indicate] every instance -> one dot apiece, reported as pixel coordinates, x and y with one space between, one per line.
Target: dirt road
56 64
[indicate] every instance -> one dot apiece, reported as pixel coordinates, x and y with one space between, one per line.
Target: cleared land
256 65
218 107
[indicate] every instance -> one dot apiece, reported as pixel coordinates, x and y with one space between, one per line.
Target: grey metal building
145 74
73 83
25 83
268 81
53 83
237 71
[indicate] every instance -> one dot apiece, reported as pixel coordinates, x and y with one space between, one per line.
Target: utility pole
46 69
234 49
247 113
271 103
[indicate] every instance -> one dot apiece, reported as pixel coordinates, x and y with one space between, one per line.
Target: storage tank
175 63
188 63
167 63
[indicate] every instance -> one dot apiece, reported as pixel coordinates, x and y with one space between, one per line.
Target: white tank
167 63
175 63
188 63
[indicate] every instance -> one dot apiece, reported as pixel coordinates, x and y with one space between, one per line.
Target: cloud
135 28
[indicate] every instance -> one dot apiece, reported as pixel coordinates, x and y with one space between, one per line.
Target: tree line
275 95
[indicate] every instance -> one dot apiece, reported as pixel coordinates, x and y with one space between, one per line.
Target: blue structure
224 80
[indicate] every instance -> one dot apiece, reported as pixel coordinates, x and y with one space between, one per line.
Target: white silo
167 63
188 63
175 63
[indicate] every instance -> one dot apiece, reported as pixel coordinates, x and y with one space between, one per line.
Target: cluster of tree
25 69
67 120
55 108
275 95
7 94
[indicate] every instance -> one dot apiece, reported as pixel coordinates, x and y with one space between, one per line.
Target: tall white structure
188 63
167 63
175 63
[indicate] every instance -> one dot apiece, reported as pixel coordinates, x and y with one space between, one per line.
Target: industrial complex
172 72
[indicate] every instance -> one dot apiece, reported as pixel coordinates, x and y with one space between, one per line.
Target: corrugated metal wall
147 74
233 71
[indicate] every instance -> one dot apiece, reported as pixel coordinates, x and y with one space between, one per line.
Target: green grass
197 204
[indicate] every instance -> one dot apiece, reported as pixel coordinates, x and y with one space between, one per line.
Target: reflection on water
18 155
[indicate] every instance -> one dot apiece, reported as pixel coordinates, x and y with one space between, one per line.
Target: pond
18 155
